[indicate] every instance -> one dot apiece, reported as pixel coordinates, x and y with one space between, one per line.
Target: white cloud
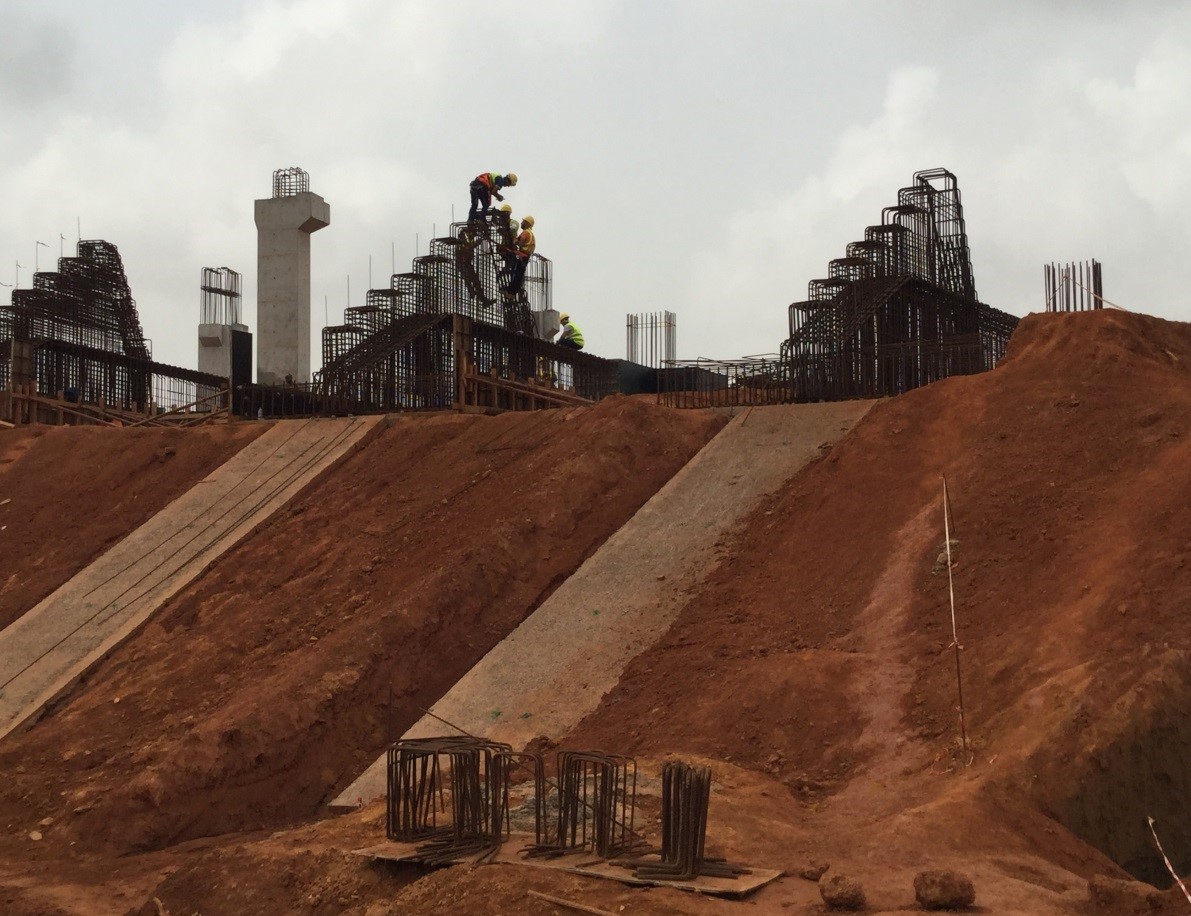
676 156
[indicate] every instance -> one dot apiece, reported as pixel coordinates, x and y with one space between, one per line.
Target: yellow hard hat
507 208
527 222
564 317
512 177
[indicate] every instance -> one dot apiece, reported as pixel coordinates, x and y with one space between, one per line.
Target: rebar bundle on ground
468 778
686 796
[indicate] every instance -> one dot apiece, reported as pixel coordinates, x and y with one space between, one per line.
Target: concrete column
283 228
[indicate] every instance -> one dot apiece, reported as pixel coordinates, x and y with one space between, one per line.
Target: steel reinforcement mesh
466 273
751 381
82 325
900 309
398 350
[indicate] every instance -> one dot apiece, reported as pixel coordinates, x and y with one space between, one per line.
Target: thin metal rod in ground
1169 867
569 904
959 681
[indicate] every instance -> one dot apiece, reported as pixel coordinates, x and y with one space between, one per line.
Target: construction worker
484 187
523 249
507 210
571 335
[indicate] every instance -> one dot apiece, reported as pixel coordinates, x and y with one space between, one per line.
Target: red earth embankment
257 692
821 656
68 493
813 670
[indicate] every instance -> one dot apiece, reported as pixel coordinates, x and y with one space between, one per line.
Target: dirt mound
263 688
814 670
69 493
821 653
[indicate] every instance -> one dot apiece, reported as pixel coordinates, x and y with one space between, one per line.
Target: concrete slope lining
45 651
557 665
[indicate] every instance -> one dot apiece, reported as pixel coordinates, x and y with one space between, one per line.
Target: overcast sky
708 158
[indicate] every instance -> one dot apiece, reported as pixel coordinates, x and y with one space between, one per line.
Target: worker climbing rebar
484 187
470 238
571 335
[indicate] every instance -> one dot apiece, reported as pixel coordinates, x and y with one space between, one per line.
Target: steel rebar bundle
596 802
465 781
686 796
1075 287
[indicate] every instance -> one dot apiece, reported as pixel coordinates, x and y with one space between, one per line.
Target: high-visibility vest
488 179
575 334
526 243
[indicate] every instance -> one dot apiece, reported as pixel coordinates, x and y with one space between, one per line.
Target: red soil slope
69 493
820 654
257 692
813 670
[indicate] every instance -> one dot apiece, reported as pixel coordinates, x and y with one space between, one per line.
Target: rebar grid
1073 287
899 310
405 349
290 182
651 338
81 326
754 380
220 297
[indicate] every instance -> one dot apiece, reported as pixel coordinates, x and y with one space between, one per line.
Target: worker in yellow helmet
571 336
512 227
523 249
484 187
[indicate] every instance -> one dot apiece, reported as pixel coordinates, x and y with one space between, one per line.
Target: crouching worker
571 335
483 188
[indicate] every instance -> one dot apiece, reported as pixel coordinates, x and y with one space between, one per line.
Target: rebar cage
220 302
412 344
651 339
290 182
80 337
900 309
1074 287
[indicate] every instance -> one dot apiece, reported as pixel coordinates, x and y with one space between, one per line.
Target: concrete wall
215 348
283 226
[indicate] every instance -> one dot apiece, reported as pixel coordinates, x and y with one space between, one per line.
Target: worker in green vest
571 335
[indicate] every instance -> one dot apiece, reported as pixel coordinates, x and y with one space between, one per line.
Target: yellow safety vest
575 334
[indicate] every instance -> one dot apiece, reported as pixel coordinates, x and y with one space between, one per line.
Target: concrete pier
284 224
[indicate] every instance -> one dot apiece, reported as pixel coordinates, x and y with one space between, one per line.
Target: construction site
463 619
